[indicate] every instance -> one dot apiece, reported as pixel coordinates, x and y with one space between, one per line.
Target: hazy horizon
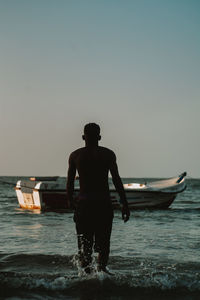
133 67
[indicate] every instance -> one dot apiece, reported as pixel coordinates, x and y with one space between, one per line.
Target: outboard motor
181 177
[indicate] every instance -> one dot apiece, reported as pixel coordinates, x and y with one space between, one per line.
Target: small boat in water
50 194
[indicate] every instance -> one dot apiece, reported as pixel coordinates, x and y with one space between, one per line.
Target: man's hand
125 213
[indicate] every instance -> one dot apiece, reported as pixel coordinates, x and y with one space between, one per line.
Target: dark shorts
95 227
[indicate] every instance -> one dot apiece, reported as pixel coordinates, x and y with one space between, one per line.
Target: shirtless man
93 208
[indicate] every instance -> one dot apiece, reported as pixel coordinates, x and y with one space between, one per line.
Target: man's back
93 164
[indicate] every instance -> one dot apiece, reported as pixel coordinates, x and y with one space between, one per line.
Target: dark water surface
155 255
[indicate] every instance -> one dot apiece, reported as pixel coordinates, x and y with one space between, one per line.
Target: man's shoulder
77 151
107 151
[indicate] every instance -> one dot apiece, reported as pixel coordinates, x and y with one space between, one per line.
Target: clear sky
131 66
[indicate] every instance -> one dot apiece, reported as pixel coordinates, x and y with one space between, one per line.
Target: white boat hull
139 200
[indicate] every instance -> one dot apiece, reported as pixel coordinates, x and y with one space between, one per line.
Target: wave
99 284
34 263
59 274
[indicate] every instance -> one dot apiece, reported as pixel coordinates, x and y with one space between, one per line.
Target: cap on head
92 131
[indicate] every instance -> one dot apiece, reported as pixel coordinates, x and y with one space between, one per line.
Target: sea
155 255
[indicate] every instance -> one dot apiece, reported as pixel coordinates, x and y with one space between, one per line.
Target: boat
50 194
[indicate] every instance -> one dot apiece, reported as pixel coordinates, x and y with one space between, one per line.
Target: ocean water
153 256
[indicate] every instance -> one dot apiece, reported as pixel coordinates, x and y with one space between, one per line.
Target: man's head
91 132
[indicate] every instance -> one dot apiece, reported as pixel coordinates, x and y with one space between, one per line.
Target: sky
133 67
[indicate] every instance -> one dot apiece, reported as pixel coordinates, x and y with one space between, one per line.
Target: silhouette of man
93 208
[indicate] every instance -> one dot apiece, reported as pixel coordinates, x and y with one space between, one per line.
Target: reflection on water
28 230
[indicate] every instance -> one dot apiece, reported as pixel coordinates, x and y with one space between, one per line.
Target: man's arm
119 188
70 181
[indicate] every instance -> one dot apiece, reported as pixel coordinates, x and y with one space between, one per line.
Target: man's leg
85 243
102 241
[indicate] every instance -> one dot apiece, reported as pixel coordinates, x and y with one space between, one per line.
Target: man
93 208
